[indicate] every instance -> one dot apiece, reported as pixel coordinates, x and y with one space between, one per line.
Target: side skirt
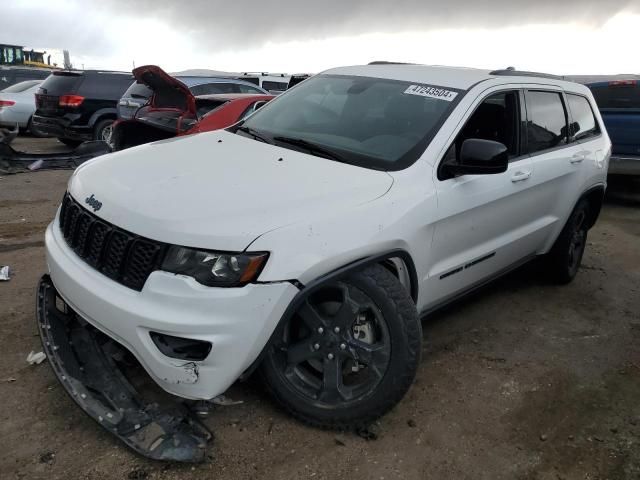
475 287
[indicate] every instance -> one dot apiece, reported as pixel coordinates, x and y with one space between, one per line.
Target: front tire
563 261
349 354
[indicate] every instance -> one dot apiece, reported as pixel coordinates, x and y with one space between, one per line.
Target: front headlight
215 269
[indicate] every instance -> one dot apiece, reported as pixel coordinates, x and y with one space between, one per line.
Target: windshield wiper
311 147
254 133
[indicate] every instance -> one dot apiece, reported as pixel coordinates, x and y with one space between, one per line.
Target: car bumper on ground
61 128
83 360
624 165
237 322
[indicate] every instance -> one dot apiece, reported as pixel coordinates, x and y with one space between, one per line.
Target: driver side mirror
480 157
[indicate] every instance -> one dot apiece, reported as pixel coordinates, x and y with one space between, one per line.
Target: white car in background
18 104
309 239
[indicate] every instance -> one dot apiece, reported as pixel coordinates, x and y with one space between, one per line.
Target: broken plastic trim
80 357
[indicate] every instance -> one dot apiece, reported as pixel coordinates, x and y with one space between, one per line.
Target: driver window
497 118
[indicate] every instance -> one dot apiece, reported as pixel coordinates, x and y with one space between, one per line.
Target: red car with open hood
173 110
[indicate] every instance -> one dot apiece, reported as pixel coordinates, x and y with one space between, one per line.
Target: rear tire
102 130
563 261
348 379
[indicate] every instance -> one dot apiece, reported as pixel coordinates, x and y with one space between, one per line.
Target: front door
485 221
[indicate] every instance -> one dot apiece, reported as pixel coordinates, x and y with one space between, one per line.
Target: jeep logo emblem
93 203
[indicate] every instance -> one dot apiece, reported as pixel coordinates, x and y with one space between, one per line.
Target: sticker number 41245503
431 92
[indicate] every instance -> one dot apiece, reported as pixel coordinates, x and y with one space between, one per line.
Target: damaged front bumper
236 322
13 161
83 360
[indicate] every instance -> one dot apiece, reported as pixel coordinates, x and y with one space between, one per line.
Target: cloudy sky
557 36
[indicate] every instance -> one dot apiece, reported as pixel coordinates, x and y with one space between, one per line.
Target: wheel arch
398 262
103 114
595 197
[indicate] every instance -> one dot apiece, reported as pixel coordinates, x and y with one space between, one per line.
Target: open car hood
172 105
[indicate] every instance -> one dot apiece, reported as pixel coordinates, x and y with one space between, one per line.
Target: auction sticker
431 92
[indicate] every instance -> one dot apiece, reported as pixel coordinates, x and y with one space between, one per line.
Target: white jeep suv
308 240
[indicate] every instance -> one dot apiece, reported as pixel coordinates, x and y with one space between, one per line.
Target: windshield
369 122
62 83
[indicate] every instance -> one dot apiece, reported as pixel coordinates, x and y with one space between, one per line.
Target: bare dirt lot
524 380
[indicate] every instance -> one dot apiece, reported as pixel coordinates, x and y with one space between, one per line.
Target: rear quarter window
584 122
105 86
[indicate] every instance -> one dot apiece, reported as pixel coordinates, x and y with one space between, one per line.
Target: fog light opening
181 348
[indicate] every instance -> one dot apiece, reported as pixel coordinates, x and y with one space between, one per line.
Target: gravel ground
523 380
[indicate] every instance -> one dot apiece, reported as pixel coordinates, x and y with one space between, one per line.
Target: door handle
520 176
577 158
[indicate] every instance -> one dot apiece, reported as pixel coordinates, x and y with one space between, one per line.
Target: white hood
218 190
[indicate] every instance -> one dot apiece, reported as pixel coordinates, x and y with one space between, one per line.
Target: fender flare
102 114
337 274
595 196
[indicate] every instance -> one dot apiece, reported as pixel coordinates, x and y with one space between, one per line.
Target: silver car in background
18 104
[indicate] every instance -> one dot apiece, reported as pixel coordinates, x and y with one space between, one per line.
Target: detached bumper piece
82 359
13 161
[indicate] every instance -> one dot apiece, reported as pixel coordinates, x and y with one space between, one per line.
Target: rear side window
213 88
249 89
274 85
105 86
546 122
138 91
583 121
253 80
624 94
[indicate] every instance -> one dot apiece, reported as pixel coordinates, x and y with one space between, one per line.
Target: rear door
557 160
585 129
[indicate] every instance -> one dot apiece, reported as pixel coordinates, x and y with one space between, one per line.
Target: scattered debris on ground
226 401
4 273
47 457
36 358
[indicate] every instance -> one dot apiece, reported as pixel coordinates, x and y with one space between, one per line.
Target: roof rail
385 62
512 72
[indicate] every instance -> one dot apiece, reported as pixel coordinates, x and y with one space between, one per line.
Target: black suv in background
79 105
